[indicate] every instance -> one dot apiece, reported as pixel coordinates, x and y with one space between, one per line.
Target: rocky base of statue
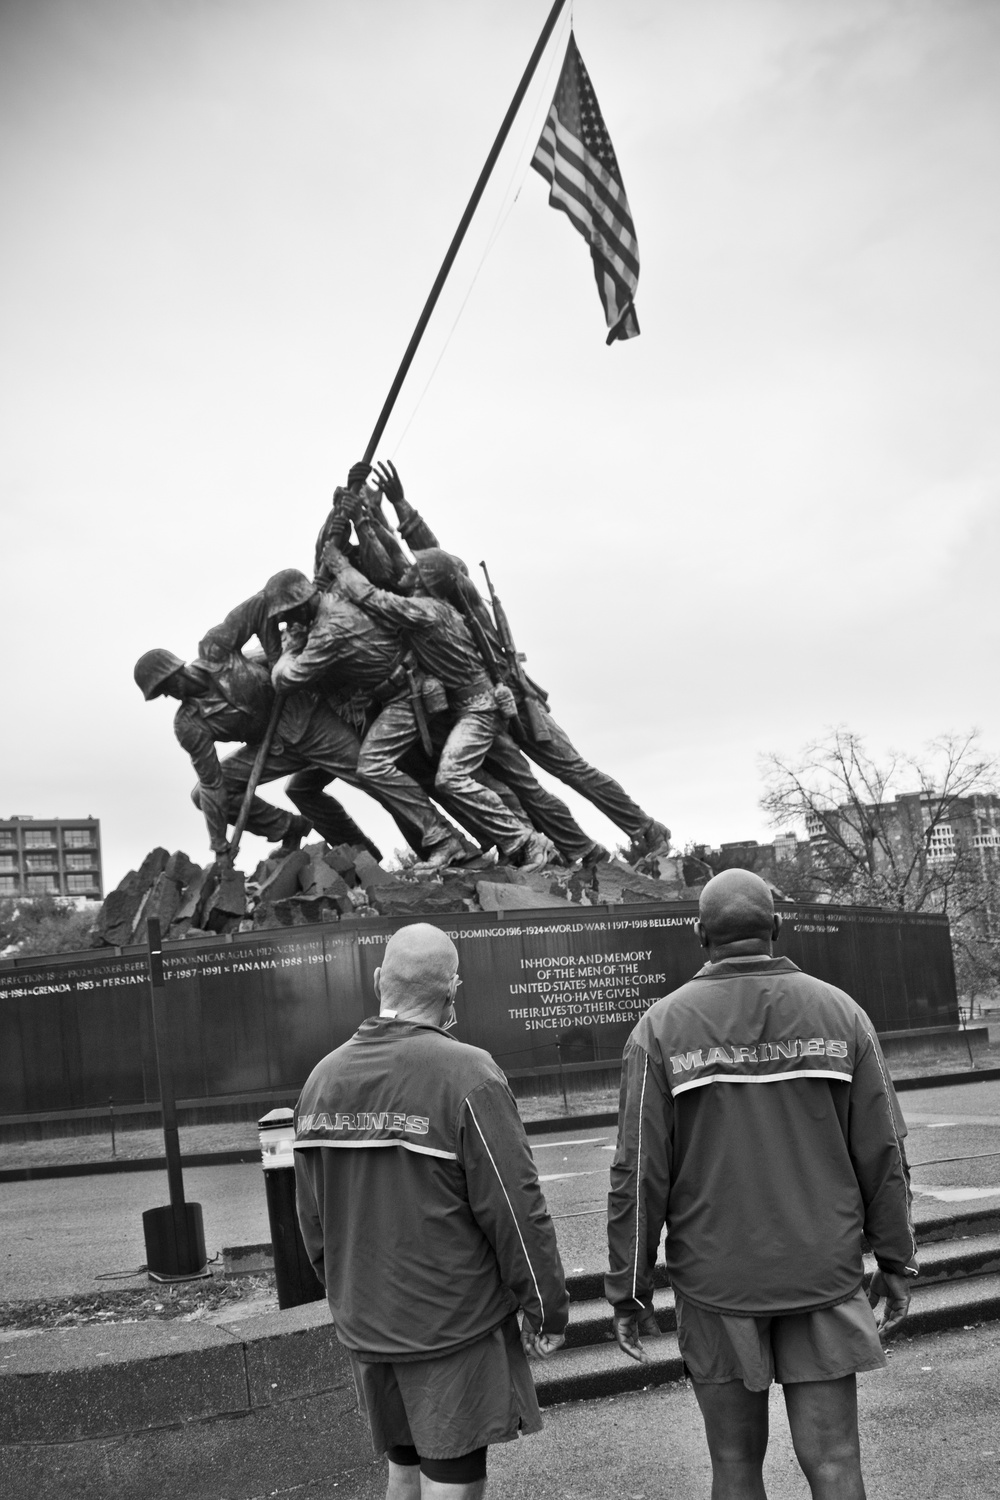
323 884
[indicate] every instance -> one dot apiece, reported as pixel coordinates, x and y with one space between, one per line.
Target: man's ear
377 981
702 935
776 926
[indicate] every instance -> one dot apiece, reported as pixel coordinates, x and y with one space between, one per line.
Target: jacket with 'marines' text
759 1124
418 1197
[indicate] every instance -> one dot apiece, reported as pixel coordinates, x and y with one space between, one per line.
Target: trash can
293 1272
175 1243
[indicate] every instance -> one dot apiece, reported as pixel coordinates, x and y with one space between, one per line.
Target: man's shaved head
419 964
736 905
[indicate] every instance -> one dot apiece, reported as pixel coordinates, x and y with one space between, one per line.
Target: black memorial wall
541 989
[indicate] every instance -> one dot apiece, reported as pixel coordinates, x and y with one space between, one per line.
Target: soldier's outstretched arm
412 527
394 609
378 561
389 542
242 623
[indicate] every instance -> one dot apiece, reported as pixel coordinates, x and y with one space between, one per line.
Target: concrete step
965 1261
952 1304
971 1254
582 1374
585 1286
590 1319
592 1365
958 1224
954 1260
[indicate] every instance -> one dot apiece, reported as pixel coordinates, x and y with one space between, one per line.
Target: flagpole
466 219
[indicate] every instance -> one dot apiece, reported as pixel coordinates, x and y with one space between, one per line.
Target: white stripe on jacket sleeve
513 1215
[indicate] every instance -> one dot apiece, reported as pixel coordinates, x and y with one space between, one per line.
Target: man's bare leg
435 1489
823 1417
404 1482
736 1429
407 1483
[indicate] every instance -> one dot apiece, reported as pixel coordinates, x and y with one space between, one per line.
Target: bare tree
882 833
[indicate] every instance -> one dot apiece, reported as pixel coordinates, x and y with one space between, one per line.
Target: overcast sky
774 511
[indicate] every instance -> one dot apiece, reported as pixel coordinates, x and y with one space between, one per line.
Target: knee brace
463 1470
403 1454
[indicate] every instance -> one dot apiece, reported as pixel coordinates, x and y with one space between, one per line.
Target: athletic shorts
446 1407
792 1347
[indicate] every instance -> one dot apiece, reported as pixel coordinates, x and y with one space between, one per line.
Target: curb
946 1080
138 1164
150 1411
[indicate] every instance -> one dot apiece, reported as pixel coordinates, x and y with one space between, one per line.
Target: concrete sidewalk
930 1430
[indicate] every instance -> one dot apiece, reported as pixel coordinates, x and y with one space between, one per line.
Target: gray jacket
418 1197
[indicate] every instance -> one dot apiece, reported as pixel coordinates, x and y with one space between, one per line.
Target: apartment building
51 856
911 824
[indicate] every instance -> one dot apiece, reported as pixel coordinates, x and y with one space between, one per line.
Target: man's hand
540 1345
357 474
390 484
627 1334
349 505
896 1291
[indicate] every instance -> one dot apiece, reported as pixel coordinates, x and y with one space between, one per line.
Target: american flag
577 160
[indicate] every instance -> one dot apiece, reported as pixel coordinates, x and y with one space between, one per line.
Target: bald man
759 1125
422 1214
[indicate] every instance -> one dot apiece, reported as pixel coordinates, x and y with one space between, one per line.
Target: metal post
111 1112
175 1236
164 1066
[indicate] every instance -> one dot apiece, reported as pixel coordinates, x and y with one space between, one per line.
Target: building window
785 846
815 825
8 861
80 861
989 840
43 885
8 838
41 862
80 885
78 838
8 885
941 845
39 838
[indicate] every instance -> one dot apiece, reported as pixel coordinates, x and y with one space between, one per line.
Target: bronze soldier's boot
655 835
594 856
535 852
294 834
451 852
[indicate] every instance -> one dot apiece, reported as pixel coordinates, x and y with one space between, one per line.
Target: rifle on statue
538 730
494 668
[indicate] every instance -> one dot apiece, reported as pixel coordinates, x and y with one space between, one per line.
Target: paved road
57 1236
930 1430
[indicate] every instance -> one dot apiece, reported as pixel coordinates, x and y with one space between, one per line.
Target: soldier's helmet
439 570
286 590
152 670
